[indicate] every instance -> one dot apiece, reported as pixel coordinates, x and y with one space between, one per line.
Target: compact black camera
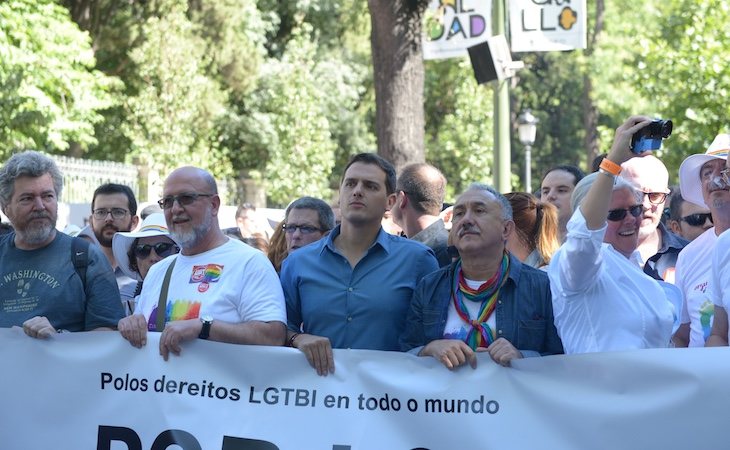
650 137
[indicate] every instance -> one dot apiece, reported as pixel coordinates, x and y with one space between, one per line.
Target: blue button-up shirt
363 307
524 312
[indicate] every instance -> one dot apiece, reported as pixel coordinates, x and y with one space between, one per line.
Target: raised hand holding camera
650 137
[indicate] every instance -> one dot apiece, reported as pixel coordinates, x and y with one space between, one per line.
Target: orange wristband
610 167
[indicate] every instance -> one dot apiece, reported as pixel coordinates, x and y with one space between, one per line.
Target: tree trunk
399 78
590 111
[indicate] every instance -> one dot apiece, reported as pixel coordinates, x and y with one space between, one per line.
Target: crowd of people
589 263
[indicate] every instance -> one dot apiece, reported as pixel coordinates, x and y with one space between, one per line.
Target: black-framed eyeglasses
697 219
183 199
163 249
117 213
305 229
615 215
656 198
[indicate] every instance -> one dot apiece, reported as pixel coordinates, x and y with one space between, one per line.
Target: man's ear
390 202
135 222
674 226
508 228
216 205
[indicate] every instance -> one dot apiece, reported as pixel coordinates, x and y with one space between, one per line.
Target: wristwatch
205 331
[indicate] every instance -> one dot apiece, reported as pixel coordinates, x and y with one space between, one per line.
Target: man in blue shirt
486 300
352 289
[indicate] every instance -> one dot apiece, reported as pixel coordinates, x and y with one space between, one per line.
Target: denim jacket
524 312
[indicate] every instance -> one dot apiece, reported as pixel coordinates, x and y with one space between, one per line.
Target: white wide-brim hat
689 172
153 225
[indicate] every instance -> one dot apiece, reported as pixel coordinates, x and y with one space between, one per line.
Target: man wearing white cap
701 183
658 246
216 288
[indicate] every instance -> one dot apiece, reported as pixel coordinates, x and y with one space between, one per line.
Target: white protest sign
452 26
547 25
94 390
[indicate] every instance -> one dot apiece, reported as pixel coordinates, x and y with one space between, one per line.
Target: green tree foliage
172 116
460 132
50 95
682 65
300 113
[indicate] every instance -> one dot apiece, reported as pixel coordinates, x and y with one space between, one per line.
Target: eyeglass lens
182 199
117 213
698 219
615 215
305 229
163 249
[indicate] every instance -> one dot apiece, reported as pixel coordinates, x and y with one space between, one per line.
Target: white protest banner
547 25
93 390
452 26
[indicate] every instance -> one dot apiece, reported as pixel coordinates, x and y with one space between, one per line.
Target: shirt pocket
531 335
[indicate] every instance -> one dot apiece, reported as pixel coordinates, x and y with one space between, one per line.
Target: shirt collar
382 239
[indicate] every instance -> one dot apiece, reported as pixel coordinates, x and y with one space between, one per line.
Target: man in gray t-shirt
40 289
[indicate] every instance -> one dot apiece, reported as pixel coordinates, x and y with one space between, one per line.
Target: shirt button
499 332
349 289
499 301
349 318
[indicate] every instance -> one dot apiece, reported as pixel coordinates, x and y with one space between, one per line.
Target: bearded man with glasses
602 299
702 182
658 247
216 288
114 210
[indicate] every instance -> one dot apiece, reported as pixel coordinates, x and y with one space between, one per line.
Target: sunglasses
163 249
182 199
698 219
615 215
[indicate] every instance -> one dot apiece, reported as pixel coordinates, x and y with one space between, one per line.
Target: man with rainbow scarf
486 300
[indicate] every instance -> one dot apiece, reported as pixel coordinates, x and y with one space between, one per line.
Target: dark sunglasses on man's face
697 220
163 249
615 215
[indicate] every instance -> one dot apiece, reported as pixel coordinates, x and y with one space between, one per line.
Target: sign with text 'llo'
547 25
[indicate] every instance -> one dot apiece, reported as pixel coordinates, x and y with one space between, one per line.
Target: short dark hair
426 194
114 188
373 158
325 214
243 207
576 172
675 205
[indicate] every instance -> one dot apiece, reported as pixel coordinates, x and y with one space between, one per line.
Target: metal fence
82 176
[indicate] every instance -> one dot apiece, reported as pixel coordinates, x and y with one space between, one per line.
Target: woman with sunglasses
137 251
602 299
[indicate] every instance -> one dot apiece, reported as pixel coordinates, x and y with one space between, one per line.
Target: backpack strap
80 257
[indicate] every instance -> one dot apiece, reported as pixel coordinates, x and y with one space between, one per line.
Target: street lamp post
527 130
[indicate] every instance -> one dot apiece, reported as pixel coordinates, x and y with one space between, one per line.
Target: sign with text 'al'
452 26
547 25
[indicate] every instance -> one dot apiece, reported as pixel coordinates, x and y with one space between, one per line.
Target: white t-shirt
455 327
232 283
693 278
602 300
720 286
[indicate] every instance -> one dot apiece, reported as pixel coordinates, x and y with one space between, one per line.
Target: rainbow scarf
480 335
